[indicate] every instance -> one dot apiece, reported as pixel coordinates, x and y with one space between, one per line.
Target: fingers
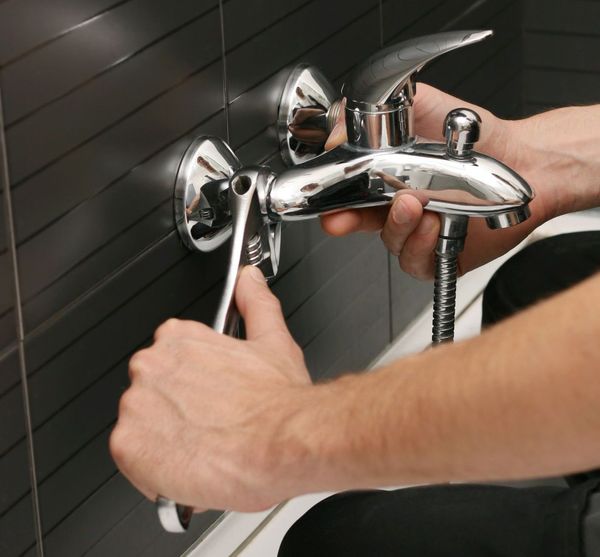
417 255
258 306
182 328
356 220
404 216
411 233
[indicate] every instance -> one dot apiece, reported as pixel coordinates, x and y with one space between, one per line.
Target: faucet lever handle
382 78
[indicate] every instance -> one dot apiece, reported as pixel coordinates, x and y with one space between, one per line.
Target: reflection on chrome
346 178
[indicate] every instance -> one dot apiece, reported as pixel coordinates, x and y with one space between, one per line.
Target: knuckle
129 401
139 364
196 328
295 351
267 298
121 446
288 344
138 359
275 303
117 444
167 328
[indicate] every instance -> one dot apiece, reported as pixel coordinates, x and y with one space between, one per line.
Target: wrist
557 152
513 148
315 440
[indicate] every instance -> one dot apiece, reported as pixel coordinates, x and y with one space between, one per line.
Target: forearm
522 400
559 153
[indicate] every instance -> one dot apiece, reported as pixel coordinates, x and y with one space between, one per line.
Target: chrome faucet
381 158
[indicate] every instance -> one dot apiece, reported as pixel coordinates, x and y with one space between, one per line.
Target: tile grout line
20 329
388 256
62 34
224 64
100 72
523 47
381 32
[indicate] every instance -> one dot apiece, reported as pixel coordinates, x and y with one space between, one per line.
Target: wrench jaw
261 236
204 206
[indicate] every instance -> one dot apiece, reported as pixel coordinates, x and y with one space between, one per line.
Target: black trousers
473 520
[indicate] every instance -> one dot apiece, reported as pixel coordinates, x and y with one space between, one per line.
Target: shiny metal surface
348 178
379 96
382 129
461 130
255 241
451 241
444 299
306 115
379 92
201 199
173 518
379 81
508 219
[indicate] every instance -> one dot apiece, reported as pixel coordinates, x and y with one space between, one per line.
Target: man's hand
408 230
202 417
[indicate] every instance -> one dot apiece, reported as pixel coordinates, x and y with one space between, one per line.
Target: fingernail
256 273
400 213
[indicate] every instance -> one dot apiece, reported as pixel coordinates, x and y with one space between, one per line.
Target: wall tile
17 533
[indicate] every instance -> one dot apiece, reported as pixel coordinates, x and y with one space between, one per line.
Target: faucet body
382 155
350 177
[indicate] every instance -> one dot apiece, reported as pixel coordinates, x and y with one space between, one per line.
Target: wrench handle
173 516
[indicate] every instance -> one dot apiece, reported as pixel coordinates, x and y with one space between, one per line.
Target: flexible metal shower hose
444 298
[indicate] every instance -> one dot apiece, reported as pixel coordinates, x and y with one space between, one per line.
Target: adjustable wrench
255 241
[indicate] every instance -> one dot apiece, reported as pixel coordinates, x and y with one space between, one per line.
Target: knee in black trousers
443 521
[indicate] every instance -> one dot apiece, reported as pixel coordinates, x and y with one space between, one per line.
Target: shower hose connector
450 243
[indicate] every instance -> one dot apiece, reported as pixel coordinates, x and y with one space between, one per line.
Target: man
215 422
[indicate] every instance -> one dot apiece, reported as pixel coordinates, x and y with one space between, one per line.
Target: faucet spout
347 178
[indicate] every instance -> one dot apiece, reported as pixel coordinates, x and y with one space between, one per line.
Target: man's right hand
408 230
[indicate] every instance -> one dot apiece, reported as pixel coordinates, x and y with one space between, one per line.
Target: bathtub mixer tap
216 197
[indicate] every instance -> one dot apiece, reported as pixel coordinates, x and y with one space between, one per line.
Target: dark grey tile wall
17 531
101 97
562 41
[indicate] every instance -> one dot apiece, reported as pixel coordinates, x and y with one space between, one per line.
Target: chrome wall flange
308 111
201 193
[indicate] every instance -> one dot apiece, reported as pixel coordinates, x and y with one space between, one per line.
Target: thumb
258 306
